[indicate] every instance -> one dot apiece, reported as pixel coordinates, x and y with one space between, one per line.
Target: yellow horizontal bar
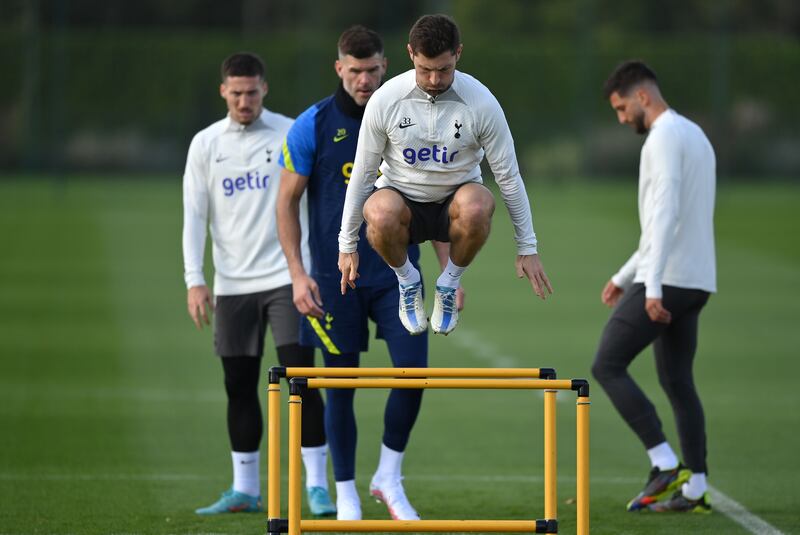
531 373
485 526
517 384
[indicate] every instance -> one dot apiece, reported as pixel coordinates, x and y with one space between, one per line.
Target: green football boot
232 501
319 502
681 504
660 485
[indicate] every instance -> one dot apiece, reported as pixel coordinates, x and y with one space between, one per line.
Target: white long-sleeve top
231 186
677 182
430 146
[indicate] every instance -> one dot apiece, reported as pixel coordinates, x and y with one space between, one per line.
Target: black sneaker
660 485
681 504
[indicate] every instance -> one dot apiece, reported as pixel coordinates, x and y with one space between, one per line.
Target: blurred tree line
116 86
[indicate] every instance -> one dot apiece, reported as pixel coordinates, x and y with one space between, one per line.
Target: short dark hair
242 64
626 76
433 35
360 42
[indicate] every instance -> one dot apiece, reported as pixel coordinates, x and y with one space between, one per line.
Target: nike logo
221 158
406 125
248 462
341 133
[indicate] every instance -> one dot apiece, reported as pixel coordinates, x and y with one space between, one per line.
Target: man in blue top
318 158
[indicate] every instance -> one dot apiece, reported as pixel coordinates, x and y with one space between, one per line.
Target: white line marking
139 394
719 501
194 477
737 512
467 478
104 477
481 350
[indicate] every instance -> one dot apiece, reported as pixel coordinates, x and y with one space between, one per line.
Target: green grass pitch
112 405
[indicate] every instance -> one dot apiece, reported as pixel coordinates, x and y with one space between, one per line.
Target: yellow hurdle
274 453
505 384
550 455
423 526
582 464
427 378
295 462
483 373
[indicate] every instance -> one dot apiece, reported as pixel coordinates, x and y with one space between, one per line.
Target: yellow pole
582 417
550 456
295 475
423 526
274 451
529 373
511 384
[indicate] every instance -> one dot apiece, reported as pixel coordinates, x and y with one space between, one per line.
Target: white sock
407 273
663 457
315 461
390 465
346 492
695 487
245 473
451 276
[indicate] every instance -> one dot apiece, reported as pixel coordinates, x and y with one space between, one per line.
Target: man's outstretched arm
199 299
305 292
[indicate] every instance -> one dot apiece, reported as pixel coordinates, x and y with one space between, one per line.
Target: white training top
231 184
677 181
430 146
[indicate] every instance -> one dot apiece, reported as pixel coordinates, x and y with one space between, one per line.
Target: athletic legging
401 412
627 333
245 422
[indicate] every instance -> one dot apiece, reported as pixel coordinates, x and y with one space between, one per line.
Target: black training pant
245 421
627 333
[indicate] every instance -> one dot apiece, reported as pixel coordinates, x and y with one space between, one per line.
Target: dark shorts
240 322
345 326
429 220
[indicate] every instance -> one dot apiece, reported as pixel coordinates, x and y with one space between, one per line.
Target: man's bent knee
385 210
473 214
603 371
472 205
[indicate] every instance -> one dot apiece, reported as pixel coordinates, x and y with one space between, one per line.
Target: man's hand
656 311
611 294
306 297
348 265
530 266
198 299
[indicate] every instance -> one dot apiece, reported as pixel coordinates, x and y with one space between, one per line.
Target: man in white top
432 126
231 186
658 294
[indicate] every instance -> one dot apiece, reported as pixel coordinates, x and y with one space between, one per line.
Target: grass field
112 406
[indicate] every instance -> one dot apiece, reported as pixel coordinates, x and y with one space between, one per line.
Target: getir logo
438 155
248 182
